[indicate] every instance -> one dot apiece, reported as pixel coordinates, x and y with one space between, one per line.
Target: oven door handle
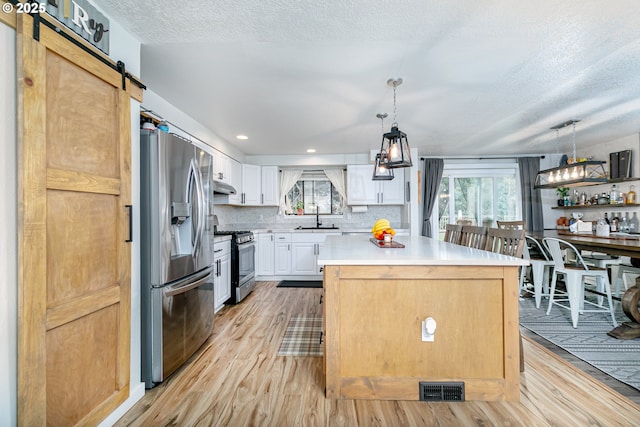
187 284
246 245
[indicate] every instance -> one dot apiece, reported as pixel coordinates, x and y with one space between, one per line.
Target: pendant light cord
575 159
395 123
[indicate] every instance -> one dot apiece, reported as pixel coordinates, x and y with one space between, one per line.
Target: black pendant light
574 174
395 146
380 171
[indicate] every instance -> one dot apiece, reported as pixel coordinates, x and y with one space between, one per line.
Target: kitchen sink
333 227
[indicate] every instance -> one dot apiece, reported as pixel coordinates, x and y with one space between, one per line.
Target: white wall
187 127
8 238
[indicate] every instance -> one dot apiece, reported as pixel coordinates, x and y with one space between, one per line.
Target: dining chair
621 278
452 233
505 241
514 225
541 266
575 275
473 236
464 222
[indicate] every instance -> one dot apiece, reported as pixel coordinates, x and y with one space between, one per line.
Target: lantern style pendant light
574 174
380 171
395 143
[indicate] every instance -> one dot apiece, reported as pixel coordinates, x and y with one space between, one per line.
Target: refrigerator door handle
197 176
187 284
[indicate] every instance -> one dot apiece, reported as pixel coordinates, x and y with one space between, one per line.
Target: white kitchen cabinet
251 185
362 190
282 254
235 180
265 255
303 256
221 167
270 186
305 248
259 186
221 273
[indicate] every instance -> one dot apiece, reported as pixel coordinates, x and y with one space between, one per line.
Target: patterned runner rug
302 337
589 341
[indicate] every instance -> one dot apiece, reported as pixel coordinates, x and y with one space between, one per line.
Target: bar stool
603 261
541 267
620 278
575 275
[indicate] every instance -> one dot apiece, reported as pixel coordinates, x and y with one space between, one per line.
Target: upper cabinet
362 190
235 180
258 186
251 185
222 167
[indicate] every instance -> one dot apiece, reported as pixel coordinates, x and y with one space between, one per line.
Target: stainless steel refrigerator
176 252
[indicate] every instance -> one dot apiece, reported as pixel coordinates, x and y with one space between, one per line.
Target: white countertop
358 250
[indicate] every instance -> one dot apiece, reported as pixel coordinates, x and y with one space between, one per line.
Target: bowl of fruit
382 231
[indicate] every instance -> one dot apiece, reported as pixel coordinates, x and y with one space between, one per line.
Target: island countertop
418 250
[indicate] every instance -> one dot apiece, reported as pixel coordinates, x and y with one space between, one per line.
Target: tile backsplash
257 217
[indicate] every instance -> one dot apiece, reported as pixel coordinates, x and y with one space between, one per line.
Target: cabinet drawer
309 237
221 248
282 237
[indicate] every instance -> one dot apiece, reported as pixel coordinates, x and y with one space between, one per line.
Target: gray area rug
302 337
589 341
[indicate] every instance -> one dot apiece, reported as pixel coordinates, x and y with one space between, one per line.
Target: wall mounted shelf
608 206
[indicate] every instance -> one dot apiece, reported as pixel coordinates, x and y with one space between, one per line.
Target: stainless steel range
243 271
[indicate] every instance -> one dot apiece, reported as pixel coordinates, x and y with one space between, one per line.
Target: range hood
220 187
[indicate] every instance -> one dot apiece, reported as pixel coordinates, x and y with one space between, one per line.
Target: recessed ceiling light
243 137
311 150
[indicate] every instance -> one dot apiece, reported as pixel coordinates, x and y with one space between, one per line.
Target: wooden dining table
616 244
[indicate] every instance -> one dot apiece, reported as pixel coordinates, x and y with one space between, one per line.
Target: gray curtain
432 176
531 199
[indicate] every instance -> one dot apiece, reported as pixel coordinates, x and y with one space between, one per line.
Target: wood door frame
33 180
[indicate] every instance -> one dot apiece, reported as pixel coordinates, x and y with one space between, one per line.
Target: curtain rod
480 158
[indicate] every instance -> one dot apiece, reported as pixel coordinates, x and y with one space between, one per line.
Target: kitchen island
375 302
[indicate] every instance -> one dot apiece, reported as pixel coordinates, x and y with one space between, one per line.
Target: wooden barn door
74 259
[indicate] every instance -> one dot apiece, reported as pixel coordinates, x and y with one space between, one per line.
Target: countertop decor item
577 172
383 244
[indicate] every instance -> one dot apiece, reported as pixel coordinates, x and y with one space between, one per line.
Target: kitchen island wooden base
373 347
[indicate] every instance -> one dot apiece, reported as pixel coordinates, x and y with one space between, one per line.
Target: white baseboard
137 392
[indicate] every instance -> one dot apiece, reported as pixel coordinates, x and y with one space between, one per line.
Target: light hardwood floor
237 379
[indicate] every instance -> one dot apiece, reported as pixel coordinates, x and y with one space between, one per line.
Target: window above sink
314 191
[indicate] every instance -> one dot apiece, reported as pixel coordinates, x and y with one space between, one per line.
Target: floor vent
442 391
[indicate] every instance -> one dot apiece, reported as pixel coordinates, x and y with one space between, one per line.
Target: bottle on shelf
633 223
613 195
624 224
614 222
631 195
606 219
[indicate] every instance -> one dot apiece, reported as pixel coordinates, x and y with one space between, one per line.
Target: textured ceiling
480 77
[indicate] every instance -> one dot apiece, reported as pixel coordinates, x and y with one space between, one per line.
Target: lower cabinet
282 254
222 273
289 254
265 254
305 248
